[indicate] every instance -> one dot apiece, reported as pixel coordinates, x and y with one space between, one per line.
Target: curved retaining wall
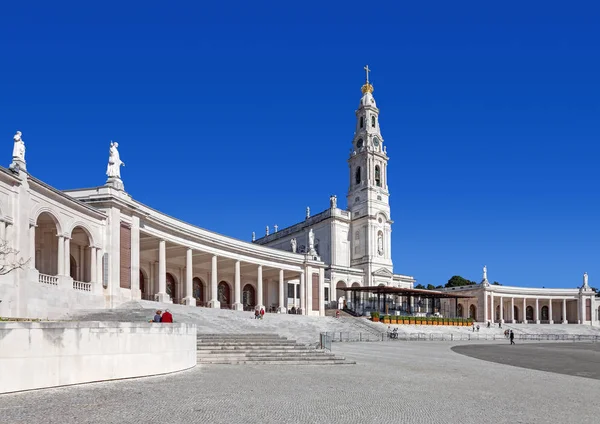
36 355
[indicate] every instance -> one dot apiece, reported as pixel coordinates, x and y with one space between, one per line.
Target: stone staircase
260 349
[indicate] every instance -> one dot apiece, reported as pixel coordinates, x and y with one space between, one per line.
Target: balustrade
80 285
48 279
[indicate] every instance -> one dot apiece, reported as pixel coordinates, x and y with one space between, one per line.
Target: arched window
359 143
373 121
473 311
529 313
362 121
358 176
378 176
545 313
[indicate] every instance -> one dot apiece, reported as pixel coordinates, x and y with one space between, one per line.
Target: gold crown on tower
367 87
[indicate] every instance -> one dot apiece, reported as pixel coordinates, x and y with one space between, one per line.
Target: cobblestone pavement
393 382
578 359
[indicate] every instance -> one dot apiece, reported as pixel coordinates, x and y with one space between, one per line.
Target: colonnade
542 308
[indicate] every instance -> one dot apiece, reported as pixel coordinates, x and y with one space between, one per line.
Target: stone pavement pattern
392 382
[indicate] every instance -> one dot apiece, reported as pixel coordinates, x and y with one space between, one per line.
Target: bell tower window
362 121
357 175
359 143
378 176
373 121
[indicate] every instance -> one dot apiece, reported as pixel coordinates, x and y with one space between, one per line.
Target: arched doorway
46 244
223 294
459 310
545 313
515 314
79 248
198 291
248 297
171 286
529 313
473 311
143 287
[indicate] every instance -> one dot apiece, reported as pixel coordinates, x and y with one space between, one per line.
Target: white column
259 285
32 263
282 307
189 277
99 269
512 310
322 292
61 256
136 293
237 305
582 309
3 231
493 314
308 292
485 306
537 311
81 263
302 293
214 299
564 312
502 309
67 253
162 295
524 311
550 311
93 270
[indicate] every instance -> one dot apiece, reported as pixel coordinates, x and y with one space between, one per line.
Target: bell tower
368 195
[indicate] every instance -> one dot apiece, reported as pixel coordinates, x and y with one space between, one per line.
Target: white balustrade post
237 305
189 279
259 285
282 307
214 299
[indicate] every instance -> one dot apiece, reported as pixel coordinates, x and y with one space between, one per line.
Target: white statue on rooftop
253 236
294 245
311 242
585 280
113 170
19 147
267 230
307 212
484 272
333 201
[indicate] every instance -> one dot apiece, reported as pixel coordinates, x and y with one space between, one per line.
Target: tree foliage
458 281
9 258
420 287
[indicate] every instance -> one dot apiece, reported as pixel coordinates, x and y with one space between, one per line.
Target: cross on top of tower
367 70
367 87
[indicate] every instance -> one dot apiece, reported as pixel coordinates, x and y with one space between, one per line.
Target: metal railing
325 341
80 285
345 336
48 279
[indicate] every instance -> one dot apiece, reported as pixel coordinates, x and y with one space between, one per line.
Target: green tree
458 281
430 287
420 287
495 283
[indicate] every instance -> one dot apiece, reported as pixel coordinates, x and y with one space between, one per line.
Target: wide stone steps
260 349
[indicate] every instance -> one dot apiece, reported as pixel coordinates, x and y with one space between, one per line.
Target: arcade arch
48 244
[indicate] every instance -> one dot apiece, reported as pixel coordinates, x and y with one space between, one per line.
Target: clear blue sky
233 116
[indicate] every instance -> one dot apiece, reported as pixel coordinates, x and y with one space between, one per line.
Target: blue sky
233 116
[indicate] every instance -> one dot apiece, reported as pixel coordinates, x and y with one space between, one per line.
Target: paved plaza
418 382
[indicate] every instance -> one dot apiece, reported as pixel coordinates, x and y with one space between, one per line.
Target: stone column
564 312
537 311
214 290
99 268
302 293
32 263
237 305
493 314
502 309
524 311
81 263
512 310
582 309
162 295
259 285
550 311
61 256
485 306
282 307
136 293
189 278
93 270
67 253
3 231
322 292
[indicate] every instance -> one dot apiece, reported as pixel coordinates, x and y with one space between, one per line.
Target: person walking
512 337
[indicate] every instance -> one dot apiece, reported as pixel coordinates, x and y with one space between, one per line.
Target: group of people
259 314
163 316
476 327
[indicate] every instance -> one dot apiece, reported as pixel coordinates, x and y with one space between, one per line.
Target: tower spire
367 87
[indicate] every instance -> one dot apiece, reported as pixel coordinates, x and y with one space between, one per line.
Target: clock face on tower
359 143
376 142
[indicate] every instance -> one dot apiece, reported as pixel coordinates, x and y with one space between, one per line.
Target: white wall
38 355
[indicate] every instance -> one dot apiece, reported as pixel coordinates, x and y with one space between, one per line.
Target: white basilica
99 247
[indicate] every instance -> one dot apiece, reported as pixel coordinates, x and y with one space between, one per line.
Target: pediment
383 272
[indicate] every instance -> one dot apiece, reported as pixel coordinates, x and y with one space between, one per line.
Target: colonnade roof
398 291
